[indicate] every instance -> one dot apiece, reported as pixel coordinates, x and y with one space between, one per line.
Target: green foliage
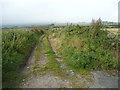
93 59
88 47
16 46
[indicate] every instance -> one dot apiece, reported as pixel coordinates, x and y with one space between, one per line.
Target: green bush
16 45
88 47
93 59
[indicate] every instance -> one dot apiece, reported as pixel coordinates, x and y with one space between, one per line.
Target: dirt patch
46 81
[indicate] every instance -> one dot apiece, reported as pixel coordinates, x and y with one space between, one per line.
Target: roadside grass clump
16 48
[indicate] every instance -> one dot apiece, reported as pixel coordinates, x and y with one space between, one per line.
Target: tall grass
16 46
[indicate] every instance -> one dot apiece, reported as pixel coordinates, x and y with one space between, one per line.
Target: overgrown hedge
16 46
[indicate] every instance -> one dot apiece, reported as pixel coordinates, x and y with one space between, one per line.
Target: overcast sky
59 11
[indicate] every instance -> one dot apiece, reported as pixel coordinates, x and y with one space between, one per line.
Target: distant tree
52 24
78 26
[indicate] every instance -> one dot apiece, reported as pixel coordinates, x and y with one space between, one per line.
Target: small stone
65 80
91 72
72 73
85 80
110 35
23 80
69 70
59 56
63 66
59 60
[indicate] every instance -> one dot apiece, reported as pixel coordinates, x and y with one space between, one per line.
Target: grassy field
114 30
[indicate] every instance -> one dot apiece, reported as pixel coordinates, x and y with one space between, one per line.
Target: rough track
45 81
100 79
